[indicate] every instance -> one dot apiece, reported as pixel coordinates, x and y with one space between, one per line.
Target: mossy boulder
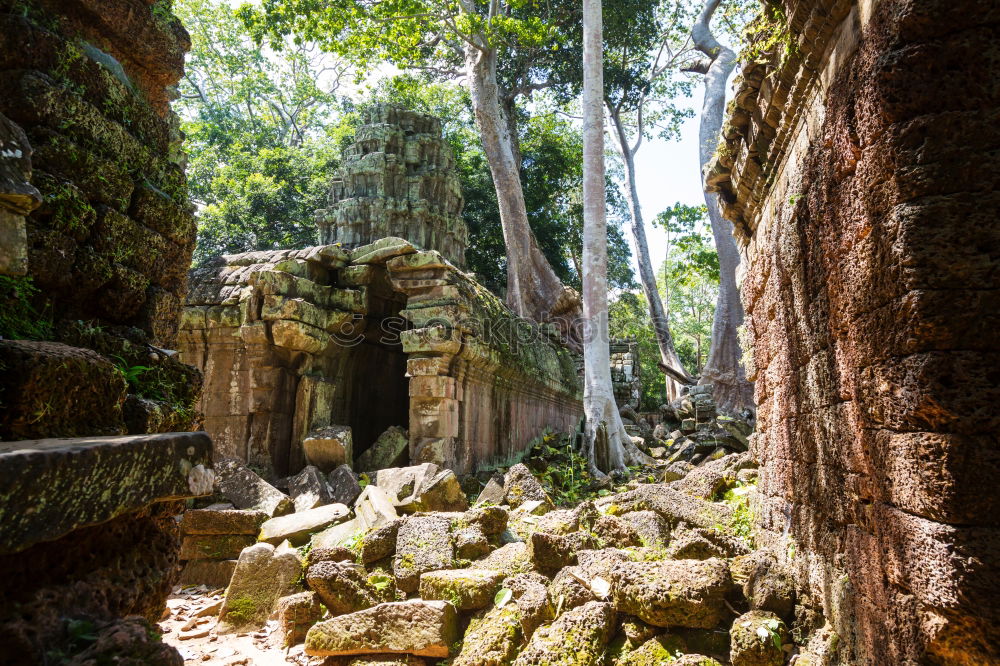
651 528
681 593
756 639
263 575
494 638
613 531
653 652
509 559
423 544
492 520
551 552
422 628
343 587
577 638
471 543
466 589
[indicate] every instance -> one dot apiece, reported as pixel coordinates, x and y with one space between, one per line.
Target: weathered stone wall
295 340
88 83
625 376
861 178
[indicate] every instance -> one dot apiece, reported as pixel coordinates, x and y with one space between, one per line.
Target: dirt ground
189 624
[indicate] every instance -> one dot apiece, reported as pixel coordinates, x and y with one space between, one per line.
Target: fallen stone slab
329 447
492 493
470 543
652 529
295 614
492 639
391 449
225 521
441 492
214 546
298 527
521 486
672 505
423 544
418 627
247 490
375 507
309 489
492 520
338 535
509 559
263 575
551 552
673 593
80 482
344 486
343 587
466 589
380 542
577 637
213 574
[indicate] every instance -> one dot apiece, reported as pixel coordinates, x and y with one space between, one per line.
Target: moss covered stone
466 589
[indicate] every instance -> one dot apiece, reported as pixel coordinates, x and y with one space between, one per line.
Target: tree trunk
657 313
607 444
723 368
534 291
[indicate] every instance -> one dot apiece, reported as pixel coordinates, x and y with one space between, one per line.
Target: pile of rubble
692 431
655 573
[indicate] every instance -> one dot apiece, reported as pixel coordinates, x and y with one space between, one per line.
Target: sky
666 172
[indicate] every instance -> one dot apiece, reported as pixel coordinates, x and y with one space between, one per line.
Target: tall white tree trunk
534 291
732 392
608 445
657 313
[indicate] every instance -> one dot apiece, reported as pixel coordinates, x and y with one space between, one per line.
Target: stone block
338 535
214 574
343 587
374 507
521 486
296 614
309 489
298 527
263 575
423 544
215 546
87 481
329 447
422 628
47 385
579 636
380 542
222 521
246 490
466 589
344 486
682 593
389 450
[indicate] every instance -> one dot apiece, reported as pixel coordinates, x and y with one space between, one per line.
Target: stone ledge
51 487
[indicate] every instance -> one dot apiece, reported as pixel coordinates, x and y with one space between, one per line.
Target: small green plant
767 38
131 373
380 581
793 199
19 319
741 525
769 629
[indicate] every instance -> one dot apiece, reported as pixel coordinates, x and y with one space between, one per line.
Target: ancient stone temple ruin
96 235
397 179
374 331
860 175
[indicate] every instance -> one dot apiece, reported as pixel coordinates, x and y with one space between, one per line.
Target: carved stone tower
397 179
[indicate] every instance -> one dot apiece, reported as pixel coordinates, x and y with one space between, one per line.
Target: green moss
241 610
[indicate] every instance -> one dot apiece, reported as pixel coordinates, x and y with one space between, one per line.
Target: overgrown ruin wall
861 176
96 235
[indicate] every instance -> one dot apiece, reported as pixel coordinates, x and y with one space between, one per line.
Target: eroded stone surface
682 593
466 589
422 628
263 575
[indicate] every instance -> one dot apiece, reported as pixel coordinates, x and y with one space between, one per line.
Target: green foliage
743 521
566 477
20 319
767 39
628 317
131 373
260 153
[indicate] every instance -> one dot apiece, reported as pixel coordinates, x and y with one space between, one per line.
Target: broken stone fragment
380 542
342 587
309 489
767 585
374 508
492 520
615 532
246 490
422 628
672 505
530 593
226 521
381 251
570 588
295 614
423 544
442 492
344 486
492 493
681 593
653 531
404 483
551 552
263 575
214 546
298 527
756 639
466 589
492 639
509 559
329 447
335 554
710 479
471 543
577 637
391 449
521 486
655 650
339 535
